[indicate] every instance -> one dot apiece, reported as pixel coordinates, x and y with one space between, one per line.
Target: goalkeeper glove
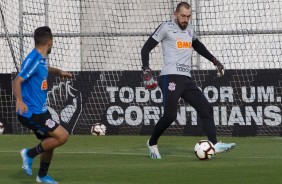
149 82
219 67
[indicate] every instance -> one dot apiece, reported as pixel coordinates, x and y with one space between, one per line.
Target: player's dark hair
186 5
42 35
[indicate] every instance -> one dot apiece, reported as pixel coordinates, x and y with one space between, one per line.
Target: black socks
43 169
33 152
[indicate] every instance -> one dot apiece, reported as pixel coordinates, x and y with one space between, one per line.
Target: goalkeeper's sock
212 138
43 169
33 152
152 142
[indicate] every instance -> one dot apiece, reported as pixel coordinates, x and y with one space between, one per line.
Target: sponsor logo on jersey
183 44
182 68
44 85
171 86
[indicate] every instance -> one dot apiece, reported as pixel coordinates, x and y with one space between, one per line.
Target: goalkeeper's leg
205 111
159 129
170 102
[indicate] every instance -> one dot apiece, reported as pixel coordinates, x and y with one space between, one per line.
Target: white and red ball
204 150
98 129
1 128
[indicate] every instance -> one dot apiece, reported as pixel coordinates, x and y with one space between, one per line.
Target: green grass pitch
124 160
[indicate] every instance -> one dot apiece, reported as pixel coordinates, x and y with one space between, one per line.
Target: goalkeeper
178 38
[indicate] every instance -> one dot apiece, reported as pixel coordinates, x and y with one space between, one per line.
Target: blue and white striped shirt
34 70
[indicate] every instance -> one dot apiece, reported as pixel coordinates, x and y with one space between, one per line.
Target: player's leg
171 90
199 102
51 133
27 159
45 160
49 141
57 138
194 96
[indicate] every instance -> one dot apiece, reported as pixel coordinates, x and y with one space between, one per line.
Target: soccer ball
1 128
98 129
204 150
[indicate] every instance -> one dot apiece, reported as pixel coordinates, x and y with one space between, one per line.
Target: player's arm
157 36
149 82
150 44
59 72
27 71
200 48
16 86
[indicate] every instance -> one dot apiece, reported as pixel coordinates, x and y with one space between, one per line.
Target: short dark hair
186 5
42 35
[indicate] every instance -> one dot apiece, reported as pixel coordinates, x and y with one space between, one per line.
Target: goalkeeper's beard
182 25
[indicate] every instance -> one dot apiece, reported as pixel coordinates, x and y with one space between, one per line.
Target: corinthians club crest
171 86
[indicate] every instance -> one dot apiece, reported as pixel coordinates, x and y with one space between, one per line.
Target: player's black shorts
179 86
41 124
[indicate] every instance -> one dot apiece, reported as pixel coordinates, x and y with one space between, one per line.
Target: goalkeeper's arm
203 51
150 44
149 82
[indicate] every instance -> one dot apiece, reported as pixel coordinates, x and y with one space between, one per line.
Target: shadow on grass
20 177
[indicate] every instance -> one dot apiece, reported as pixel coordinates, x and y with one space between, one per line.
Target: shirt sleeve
160 32
145 51
194 35
202 50
30 66
157 36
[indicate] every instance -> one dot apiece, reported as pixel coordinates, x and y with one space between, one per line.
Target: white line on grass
140 154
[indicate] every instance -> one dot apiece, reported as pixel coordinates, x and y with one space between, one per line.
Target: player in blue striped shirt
30 90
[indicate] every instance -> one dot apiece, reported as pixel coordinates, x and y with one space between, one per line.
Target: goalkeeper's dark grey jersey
177 48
